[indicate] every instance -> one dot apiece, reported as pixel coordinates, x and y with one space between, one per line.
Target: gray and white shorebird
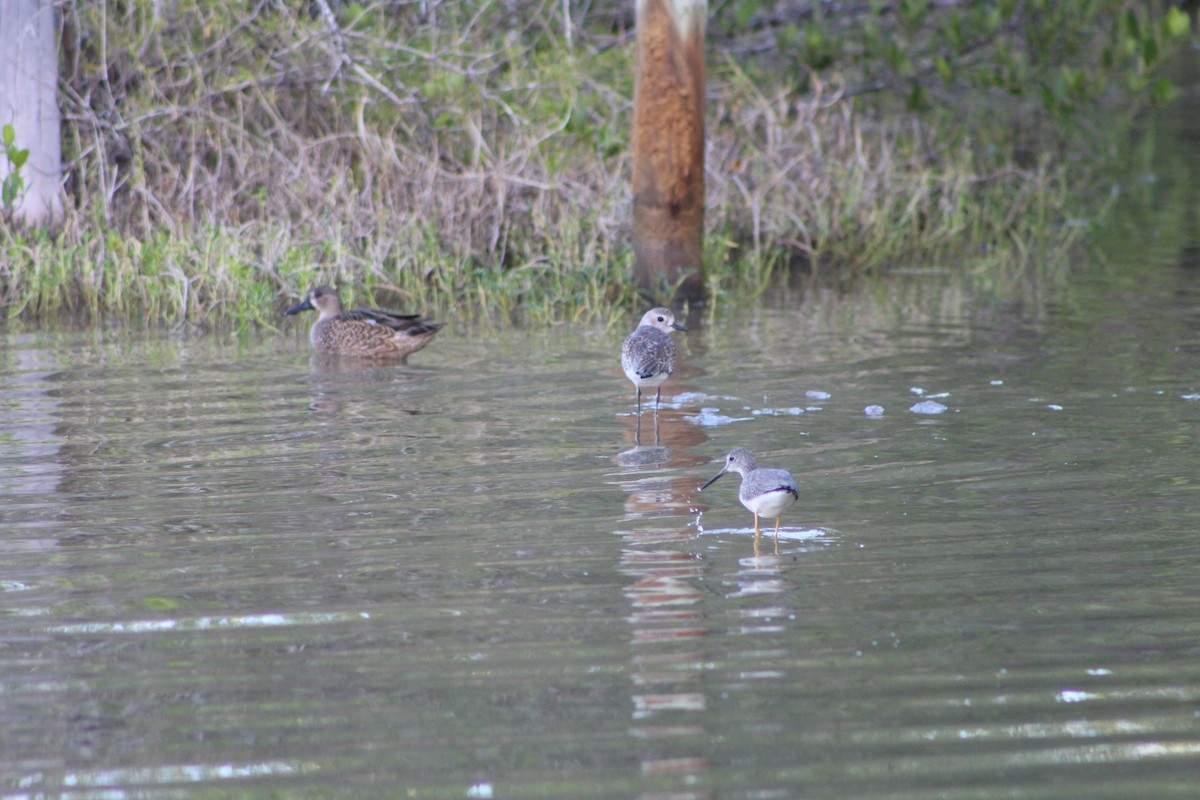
367 333
765 491
648 355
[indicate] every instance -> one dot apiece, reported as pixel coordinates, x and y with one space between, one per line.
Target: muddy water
231 569
228 565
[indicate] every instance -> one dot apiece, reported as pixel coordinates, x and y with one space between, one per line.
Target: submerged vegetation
471 157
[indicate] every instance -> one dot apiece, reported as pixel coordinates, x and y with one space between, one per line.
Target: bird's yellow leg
777 535
757 532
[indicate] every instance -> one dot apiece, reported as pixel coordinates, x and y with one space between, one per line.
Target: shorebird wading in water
765 491
648 355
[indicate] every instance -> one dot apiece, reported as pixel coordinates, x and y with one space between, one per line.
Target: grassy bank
471 160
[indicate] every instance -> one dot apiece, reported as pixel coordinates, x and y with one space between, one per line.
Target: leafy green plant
1063 55
14 183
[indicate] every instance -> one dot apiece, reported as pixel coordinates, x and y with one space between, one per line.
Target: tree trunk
29 102
668 147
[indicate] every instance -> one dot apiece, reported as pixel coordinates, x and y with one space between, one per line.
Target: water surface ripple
231 567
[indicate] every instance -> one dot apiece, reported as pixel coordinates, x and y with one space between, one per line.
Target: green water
230 569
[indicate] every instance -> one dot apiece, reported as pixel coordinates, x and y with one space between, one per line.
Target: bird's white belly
646 383
771 504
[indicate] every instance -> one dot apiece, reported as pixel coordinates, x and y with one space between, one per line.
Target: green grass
469 163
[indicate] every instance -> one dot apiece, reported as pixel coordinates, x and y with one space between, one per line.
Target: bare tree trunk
668 147
29 102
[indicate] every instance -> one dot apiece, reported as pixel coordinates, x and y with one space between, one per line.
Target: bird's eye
662 319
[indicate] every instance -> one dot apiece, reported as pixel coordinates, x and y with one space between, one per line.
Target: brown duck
363 332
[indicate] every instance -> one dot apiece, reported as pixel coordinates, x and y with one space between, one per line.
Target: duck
368 333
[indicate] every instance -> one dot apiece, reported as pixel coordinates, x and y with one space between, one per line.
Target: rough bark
668 147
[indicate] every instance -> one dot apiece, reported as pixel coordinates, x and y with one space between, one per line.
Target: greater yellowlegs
363 332
765 491
648 355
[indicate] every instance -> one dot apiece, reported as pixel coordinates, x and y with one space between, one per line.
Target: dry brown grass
461 156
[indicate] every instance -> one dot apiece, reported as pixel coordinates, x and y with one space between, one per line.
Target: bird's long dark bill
678 327
712 481
305 306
